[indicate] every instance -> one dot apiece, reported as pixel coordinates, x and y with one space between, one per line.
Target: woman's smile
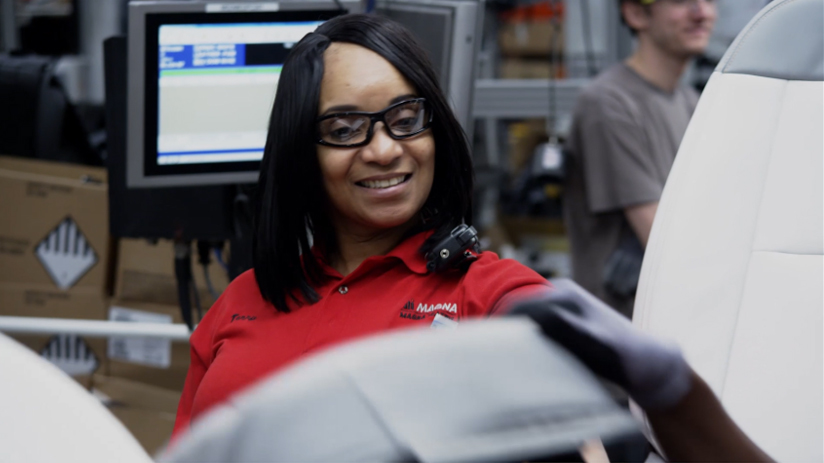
385 182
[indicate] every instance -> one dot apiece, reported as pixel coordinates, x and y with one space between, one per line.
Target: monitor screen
216 84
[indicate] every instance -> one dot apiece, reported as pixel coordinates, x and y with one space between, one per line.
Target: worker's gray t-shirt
624 137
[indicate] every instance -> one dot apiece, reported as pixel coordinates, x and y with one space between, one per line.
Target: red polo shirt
243 338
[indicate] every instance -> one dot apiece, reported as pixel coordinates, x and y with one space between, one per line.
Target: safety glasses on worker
691 3
355 128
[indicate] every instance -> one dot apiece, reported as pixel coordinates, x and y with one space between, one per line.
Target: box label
42 190
66 254
154 352
13 246
71 354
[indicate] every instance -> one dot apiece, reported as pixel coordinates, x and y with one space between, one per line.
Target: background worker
627 126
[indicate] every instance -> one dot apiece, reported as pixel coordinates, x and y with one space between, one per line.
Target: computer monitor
201 83
451 32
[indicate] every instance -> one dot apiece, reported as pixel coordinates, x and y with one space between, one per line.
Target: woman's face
384 184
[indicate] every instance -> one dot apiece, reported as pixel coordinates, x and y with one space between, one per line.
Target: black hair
290 208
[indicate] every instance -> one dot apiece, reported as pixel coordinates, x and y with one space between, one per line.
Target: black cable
589 54
196 299
340 6
209 284
204 251
183 275
555 29
220 260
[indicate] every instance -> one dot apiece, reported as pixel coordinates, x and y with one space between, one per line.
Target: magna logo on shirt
444 307
427 310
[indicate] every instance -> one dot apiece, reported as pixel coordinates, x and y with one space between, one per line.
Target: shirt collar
407 252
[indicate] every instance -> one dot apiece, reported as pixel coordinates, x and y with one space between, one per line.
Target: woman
364 171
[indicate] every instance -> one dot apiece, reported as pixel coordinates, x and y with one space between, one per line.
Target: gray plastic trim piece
784 41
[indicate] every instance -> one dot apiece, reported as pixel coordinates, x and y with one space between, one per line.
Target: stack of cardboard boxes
146 290
144 377
55 254
58 261
531 41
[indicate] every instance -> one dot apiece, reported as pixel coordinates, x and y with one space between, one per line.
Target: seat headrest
784 41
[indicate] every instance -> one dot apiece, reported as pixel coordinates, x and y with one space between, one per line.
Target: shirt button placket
343 289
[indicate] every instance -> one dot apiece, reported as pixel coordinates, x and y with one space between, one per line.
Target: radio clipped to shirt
455 251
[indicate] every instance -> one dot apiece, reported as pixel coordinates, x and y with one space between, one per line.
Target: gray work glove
653 372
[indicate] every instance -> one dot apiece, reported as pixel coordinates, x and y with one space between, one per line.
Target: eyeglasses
691 3
350 129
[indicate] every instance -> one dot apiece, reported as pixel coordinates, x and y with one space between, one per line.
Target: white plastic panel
774 381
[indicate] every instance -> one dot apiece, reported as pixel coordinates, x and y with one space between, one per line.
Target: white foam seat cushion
734 269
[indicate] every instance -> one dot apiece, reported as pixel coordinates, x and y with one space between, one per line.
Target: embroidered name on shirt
428 308
243 317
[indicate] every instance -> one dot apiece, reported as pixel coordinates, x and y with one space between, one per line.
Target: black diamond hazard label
71 354
66 254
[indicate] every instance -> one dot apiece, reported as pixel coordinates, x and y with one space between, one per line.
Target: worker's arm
697 428
688 420
640 219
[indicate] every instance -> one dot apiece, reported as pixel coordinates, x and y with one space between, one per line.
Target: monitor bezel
145 17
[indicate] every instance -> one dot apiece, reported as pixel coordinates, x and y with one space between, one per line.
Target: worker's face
384 184
681 28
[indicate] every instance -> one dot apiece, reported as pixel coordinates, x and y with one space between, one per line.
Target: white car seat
734 269
45 416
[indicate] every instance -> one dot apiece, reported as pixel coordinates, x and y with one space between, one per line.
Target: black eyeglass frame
374 118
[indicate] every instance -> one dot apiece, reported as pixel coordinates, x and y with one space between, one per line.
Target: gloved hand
653 372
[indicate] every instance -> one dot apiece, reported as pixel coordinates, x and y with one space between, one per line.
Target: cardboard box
158 362
55 226
525 68
75 355
145 273
147 411
31 300
531 38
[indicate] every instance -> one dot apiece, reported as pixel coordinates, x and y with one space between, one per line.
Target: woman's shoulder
243 281
490 280
493 273
489 263
243 287
241 292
